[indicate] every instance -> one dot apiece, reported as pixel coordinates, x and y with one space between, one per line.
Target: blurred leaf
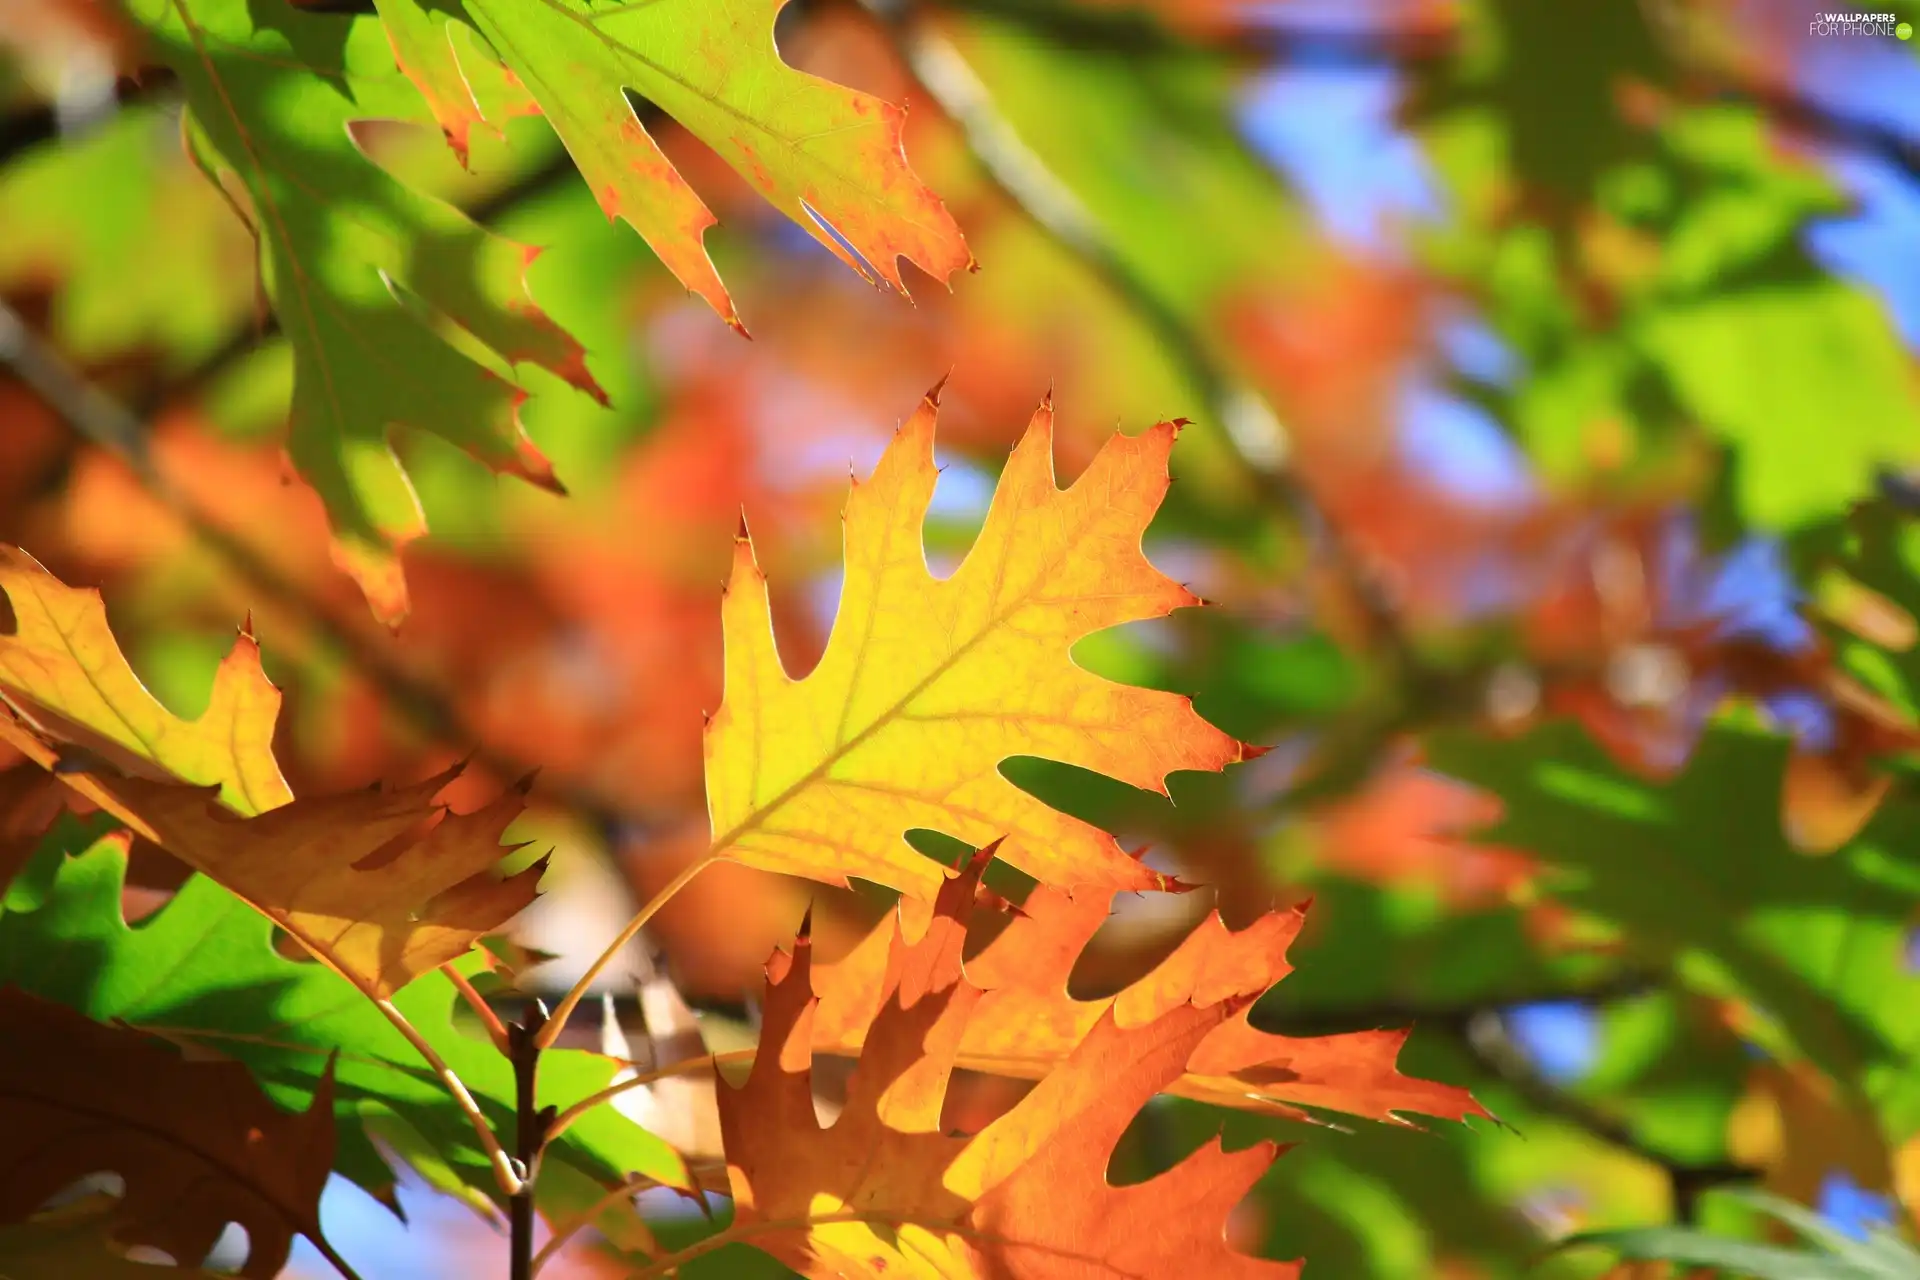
1699 874
1835 1256
365 273
1643 258
139 251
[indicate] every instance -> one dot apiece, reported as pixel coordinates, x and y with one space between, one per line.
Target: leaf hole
853 257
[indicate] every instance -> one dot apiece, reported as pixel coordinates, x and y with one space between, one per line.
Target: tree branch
1022 177
1452 1015
529 1135
1488 1039
30 126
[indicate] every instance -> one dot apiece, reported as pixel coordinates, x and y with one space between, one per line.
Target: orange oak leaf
381 886
927 685
884 1192
197 1143
1027 1023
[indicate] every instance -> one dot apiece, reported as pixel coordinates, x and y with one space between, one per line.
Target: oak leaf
1026 1022
368 276
63 938
197 1143
927 685
883 1192
828 157
74 1242
368 881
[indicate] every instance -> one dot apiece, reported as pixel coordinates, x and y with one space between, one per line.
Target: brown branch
37 123
1252 429
1487 1038
1452 1015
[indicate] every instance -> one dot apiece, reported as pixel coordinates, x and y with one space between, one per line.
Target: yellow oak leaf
380 885
883 1193
927 685
66 681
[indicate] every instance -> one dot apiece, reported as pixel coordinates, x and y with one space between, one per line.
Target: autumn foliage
1401 765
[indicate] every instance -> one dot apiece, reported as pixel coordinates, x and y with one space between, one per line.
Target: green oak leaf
145 255
401 311
202 971
1698 873
828 157
1877 547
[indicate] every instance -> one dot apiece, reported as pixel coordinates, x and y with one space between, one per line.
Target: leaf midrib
887 716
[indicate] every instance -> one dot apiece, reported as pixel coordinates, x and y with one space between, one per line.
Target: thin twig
496 1029
569 1002
625 1191
1487 1038
686 1066
503 1170
530 1128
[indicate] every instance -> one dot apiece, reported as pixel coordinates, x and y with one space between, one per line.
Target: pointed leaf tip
1027 1195
1029 688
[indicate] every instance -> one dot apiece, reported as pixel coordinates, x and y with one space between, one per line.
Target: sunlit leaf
928 685
882 1191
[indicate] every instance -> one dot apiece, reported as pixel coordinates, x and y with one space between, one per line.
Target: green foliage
202 971
329 224
1646 264
1834 1255
1815 945
365 273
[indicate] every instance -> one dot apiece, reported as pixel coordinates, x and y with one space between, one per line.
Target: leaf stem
686 1066
503 1170
563 1234
558 1022
496 1029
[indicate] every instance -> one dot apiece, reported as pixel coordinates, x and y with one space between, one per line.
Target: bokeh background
1554 418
